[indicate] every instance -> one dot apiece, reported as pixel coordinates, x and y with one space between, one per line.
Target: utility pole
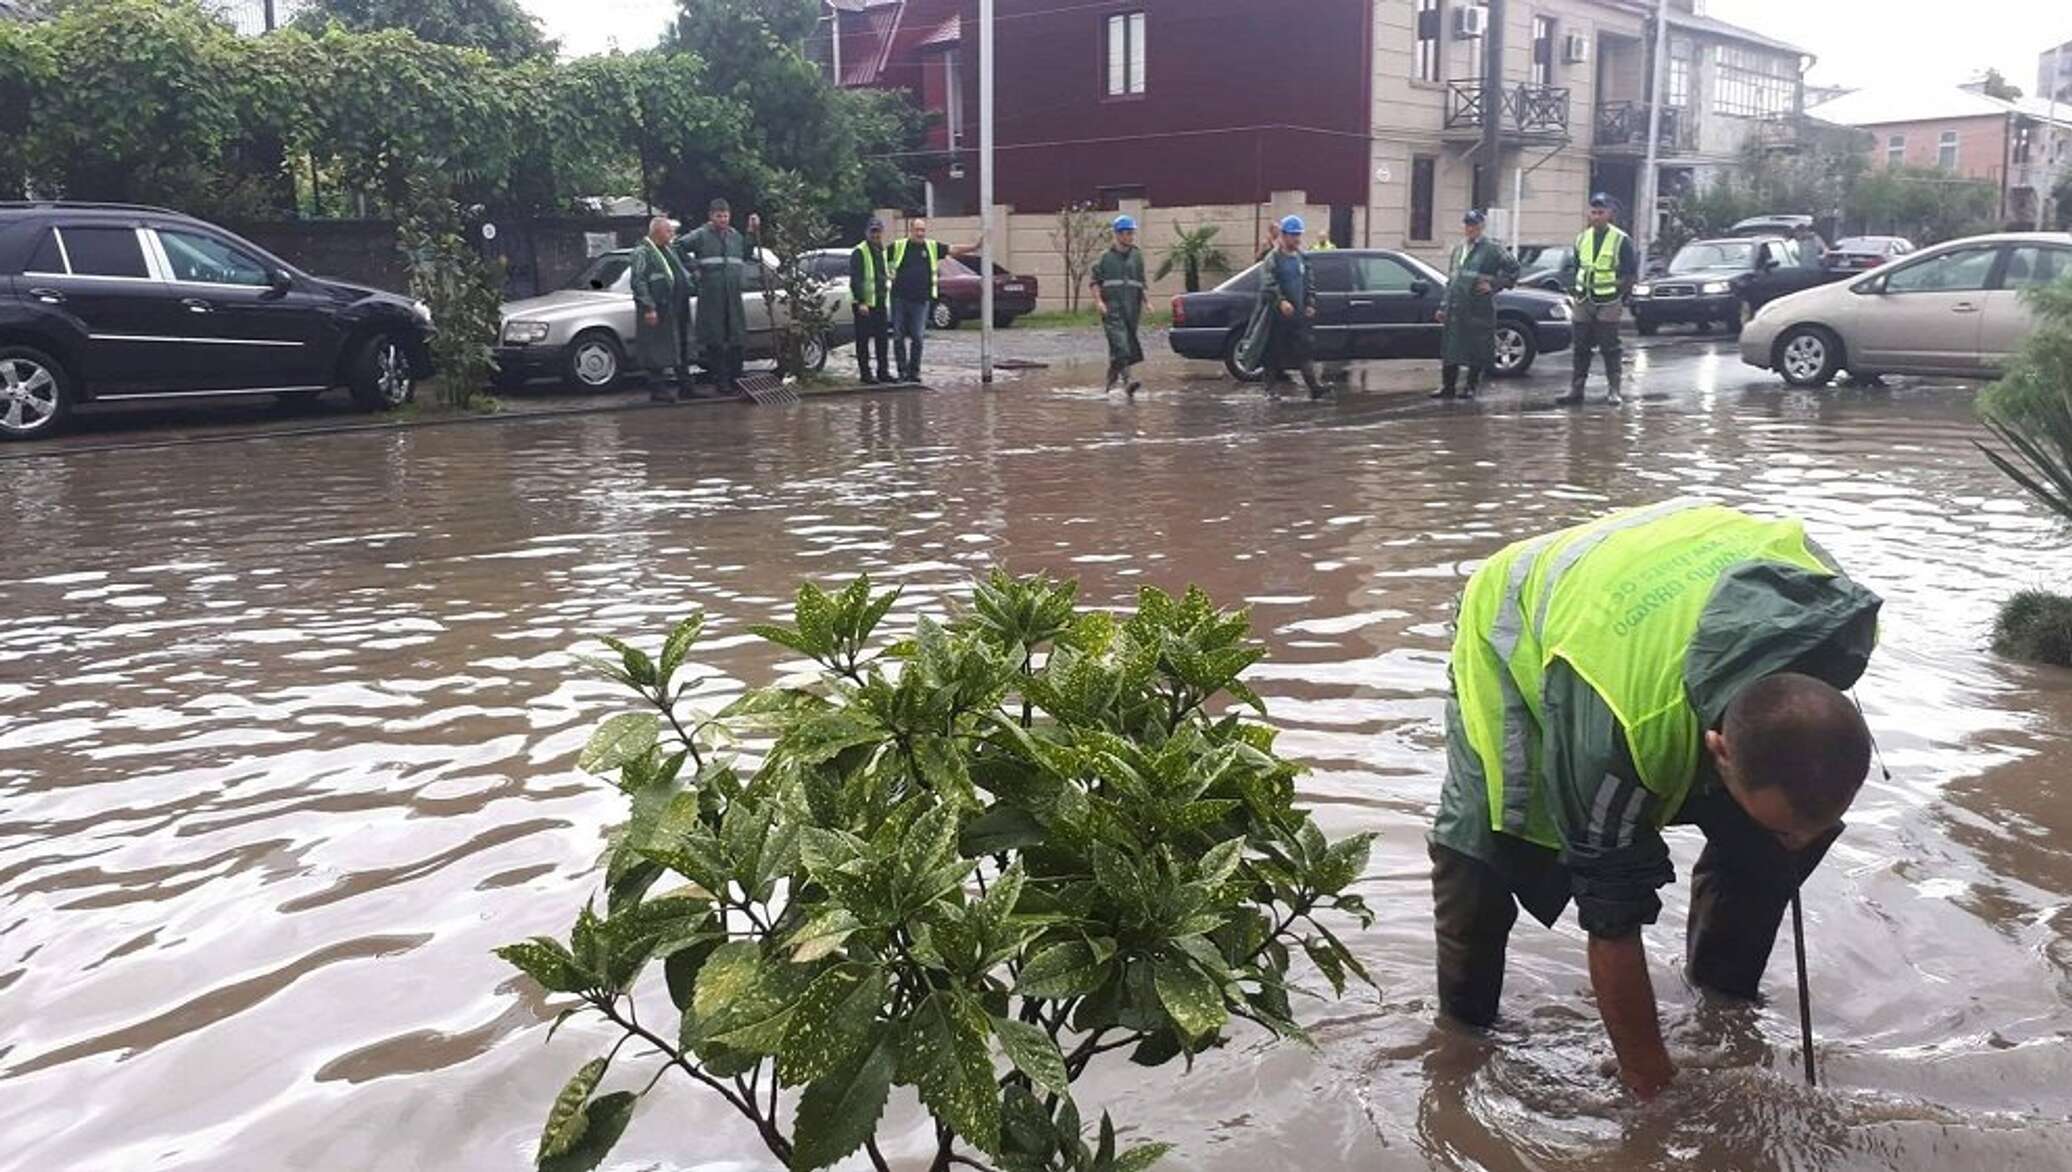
985 191
1650 194
1491 154
271 24
834 40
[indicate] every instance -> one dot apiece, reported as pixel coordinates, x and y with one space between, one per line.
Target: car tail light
1179 311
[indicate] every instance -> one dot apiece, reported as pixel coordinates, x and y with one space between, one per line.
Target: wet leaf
1034 1053
1189 996
546 961
947 1050
1143 1156
830 1022
619 740
679 643
822 934
566 1120
839 1111
604 1121
1060 971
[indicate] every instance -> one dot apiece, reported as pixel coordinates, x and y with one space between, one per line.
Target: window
1423 170
209 261
953 98
1946 151
47 258
1543 50
2032 265
1679 95
1953 272
1430 17
1332 271
1896 150
1111 198
104 252
1381 274
1753 84
1125 54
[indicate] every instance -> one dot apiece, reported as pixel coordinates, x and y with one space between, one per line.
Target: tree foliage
1193 251
971 862
463 291
1079 236
501 28
2030 409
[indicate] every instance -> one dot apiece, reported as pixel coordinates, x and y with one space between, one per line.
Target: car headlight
525 332
1716 287
421 312
1562 311
1643 290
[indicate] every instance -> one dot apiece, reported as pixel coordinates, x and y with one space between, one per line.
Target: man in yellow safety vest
870 301
1678 663
1600 271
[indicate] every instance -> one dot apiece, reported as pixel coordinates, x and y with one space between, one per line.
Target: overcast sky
1859 42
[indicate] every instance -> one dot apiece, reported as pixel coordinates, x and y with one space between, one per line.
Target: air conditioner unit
1576 49
1469 21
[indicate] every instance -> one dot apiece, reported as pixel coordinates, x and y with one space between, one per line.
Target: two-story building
1367 116
2022 147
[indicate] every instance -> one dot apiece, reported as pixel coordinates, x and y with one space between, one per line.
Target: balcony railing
1526 111
1625 124
2040 176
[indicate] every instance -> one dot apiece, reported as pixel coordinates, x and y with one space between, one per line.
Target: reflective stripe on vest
1618 600
897 253
1597 268
870 276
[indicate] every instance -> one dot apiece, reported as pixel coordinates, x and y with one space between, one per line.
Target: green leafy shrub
2035 625
970 862
463 292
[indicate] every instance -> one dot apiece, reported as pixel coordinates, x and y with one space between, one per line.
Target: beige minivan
1954 309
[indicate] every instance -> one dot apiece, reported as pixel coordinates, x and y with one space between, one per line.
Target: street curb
33 450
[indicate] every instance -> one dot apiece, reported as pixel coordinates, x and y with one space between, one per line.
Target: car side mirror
1420 288
279 280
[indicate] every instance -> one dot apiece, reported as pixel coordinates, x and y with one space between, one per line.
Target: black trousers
724 364
1740 888
1449 374
873 331
1597 330
1288 348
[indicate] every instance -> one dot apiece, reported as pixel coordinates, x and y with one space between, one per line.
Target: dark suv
106 302
1724 280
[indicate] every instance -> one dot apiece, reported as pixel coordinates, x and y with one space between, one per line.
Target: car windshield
1713 254
1877 244
1542 256
603 272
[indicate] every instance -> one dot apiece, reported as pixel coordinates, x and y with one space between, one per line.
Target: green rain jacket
1251 350
1470 335
718 261
659 284
1761 618
1120 278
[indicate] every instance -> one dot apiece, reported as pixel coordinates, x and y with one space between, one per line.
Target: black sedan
1371 303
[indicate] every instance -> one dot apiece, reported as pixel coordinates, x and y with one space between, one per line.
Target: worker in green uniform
661 299
1679 663
1118 281
1481 266
1278 335
717 258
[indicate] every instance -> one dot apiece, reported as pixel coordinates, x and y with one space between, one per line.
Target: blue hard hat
1291 226
1125 224
1473 216
1600 200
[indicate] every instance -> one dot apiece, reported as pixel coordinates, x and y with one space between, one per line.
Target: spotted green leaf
830 1022
841 1109
619 740
947 1050
1189 996
566 1121
1034 1053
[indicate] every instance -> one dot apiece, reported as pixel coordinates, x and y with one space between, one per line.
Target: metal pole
985 191
1798 944
1491 154
1644 223
834 40
270 21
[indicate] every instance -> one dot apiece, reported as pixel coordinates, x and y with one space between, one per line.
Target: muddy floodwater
287 730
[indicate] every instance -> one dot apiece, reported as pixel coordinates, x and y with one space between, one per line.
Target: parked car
1540 266
1014 295
1771 224
582 333
1724 280
1861 254
118 302
1954 309
1371 303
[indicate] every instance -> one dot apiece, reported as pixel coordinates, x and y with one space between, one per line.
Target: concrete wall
538 254
1025 246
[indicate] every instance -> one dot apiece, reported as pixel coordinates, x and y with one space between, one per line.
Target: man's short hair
1800 733
718 205
658 221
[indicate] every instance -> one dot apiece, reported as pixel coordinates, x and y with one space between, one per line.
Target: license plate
1014 288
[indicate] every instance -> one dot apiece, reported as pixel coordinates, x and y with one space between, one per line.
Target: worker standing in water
1118 281
1674 664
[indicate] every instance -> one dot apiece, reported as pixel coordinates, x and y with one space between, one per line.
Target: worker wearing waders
661 301
1673 664
717 258
1118 281
1481 266
870 301
1601 271
1278 335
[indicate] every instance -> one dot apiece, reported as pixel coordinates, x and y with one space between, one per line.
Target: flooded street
287 733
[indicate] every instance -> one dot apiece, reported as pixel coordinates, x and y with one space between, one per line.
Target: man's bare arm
1626 1000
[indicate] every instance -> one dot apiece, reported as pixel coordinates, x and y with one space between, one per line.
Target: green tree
970 862
463 291
25 69
792 226
1995 85
1079 235
1193 251
501 28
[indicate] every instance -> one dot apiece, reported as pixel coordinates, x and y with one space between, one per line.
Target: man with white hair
661 297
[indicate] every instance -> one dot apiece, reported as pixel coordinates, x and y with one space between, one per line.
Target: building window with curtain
1430 25
1543 50
1679 87
1125 54
1946 151
1423 173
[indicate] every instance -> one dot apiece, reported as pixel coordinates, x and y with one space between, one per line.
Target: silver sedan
1954 309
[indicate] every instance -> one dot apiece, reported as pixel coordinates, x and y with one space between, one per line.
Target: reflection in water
286 732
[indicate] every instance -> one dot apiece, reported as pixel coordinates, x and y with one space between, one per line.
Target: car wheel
1808 356
1515 348
35 393
1232 363
1647 328
594 361
813 354
942 317
380 376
